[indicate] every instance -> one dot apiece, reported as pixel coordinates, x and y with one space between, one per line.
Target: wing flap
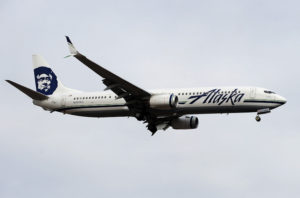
134 90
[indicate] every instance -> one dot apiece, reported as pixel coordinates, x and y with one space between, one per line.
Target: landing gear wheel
257 118
152 128
139 116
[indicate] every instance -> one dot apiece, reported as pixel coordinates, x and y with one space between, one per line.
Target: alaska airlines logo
45 80
218 96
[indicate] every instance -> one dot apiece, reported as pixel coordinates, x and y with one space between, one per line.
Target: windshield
269 92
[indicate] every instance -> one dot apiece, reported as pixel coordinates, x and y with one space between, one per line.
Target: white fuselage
191 101
159 109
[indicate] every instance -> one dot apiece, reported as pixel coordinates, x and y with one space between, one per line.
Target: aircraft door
63 101
252 92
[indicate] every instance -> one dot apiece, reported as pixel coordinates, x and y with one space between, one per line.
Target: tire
257 118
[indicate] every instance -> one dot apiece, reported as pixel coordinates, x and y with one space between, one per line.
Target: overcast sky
153 44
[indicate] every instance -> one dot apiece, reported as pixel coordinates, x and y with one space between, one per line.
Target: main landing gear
152 128
261 111
139 116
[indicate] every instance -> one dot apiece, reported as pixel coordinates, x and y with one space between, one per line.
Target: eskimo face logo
45 80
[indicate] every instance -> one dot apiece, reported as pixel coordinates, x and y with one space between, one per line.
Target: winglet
72 49
69 40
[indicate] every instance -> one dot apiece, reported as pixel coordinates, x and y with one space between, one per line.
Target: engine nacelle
163 101
187 122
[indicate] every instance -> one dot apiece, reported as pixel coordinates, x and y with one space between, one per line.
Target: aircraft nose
281 99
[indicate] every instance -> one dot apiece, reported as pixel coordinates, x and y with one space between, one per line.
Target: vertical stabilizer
46 81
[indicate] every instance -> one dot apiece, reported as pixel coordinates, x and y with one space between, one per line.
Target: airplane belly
207 109
99 111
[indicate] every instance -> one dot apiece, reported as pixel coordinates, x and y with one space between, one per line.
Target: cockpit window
269 92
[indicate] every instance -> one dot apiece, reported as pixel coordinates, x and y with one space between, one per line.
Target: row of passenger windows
93 97
104 97
199 93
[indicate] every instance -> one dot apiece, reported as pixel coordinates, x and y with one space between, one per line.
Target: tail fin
46 81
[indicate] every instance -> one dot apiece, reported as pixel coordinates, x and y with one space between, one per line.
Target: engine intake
163 101
187 122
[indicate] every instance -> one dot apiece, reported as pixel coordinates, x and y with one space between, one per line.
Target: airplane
159 109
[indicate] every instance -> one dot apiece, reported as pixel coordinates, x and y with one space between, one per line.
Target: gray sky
154 44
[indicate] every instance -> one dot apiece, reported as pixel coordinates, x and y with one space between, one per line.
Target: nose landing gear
257 118
261 111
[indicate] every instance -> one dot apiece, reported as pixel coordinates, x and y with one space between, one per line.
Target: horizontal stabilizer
29 92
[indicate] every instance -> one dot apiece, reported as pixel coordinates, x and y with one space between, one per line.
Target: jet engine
163 101
187 122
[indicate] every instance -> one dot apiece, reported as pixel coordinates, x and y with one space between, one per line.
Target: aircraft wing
135 97
118 85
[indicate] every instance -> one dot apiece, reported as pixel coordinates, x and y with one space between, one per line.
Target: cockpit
269 92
